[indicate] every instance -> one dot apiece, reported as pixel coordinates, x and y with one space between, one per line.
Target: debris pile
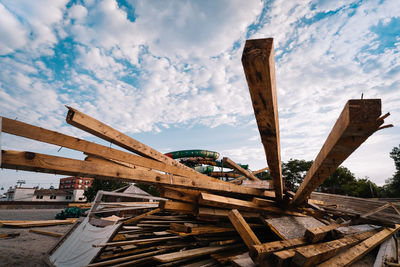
203 221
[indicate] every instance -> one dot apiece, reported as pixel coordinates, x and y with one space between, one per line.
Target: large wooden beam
103 131
355 253
259 66
244 230
358 120
43 135
36 162
236 167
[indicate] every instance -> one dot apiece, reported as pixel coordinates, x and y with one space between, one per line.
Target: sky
169 74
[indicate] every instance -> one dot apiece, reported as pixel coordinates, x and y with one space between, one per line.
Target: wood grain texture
244 230
259 66
358 121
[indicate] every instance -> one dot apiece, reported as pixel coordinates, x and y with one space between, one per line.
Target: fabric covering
77 249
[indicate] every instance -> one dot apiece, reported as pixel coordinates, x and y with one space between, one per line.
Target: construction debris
200 220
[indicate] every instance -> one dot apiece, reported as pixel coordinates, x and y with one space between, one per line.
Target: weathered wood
30 161
181 195
263 202
177 206
388 252
236 167
314 254
45 233
282 258
260 253
130 242
103 131
233 203
262 184
24 224
141 216
316 234
221 213
358 251
355 124
242 177
387 205
259 66
191 253
40 134
244 230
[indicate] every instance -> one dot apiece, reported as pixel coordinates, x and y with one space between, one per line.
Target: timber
316 234
259 66
355 253
36 162
243 228
236 167
260 253
358 121
314 254
43 135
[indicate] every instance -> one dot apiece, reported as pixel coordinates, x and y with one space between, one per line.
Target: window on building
73 181
80 181
52 197
79 186
81 198
39 197
68 197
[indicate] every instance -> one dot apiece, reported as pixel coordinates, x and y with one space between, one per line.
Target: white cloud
12 33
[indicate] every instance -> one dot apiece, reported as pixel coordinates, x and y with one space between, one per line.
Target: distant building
20 194
59 195
75 182
44 195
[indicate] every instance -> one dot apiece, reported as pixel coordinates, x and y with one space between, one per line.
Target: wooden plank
358 251
239 169
204 212
40 134
177 206
312 255
244 230
388 252
355 124
263 202
262 184
316 234
45 233
259 66
138 241
36 162
282 258
387 205
180 195
141 216
24 224
260 253
233 203
103 131
241 178
191 253
242 260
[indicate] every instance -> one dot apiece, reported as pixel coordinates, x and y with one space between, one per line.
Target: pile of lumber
199 216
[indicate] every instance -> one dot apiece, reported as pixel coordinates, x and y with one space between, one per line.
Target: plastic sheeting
77 249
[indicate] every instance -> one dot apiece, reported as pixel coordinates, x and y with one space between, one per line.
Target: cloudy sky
168 73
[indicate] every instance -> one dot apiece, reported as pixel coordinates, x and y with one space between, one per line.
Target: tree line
342 181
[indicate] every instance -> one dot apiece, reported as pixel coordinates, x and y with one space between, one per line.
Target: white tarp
77 249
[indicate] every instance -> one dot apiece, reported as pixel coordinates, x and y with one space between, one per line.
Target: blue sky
168 73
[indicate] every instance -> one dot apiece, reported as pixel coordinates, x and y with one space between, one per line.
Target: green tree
392 185
339 182
263 176
105 185
294 171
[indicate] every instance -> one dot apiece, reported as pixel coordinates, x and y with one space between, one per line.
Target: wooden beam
260 253
191 253
315 234
233 203
259 66
244 230
103 131
138 241
355 253
236 167
221 213
43 135
177 206
36 162
141 216
312 255
241 178
46 233
378 209
180 195
355 124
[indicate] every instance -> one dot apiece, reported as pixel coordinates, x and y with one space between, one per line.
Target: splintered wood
200 220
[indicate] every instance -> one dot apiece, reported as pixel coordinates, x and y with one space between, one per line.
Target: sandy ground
28 249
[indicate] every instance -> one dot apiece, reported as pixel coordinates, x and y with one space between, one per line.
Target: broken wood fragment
244 230
239 169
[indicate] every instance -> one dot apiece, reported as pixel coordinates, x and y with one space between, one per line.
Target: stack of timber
199 220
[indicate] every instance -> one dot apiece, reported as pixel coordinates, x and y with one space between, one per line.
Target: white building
20 194
45 195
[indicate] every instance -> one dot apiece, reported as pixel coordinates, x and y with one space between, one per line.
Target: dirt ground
27 249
